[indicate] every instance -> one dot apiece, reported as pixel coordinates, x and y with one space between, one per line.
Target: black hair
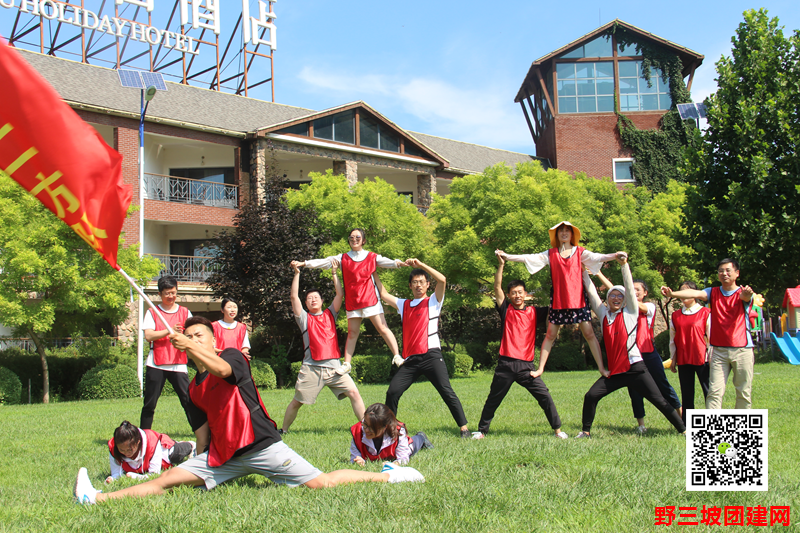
361 231
167 282
309 291
381 420
690 284
126 432
733 263
643 283
516 283
416 273
226 301
198 320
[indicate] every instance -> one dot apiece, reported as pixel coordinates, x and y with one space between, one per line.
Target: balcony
189 191
184 267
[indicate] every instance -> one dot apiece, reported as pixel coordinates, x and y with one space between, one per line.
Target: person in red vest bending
234 431
321 362
139 453
229 332
689 332
164 362
626 368
731 342
517 351
361 297
568 302
381 437
422 350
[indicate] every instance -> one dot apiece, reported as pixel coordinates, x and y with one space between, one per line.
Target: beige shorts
312 379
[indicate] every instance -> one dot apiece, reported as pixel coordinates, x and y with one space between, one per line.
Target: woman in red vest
568 302
230 333
381 437
361 296
137 453
689 334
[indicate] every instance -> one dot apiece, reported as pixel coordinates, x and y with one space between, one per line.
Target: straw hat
576 234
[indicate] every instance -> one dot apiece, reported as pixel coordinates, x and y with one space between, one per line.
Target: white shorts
279 463
366 312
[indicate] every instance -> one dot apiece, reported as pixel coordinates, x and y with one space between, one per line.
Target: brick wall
187 213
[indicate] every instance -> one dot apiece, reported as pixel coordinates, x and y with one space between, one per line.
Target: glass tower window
599 47
636 94
585 87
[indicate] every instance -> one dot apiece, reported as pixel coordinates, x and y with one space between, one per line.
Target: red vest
645 334
690 335
567 280
322 341
415 327
152 439
615 337
228 416
229 338
389 453
163 351
359 288
728 321
519 333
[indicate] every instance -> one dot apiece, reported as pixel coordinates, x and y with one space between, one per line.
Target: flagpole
153 306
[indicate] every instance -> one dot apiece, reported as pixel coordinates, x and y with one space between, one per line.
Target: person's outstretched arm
499 295
441 281
685 293
533 262
385 296
297 305
337 286
320 263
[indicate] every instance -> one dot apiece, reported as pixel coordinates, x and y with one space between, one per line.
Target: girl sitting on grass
380 436
137 453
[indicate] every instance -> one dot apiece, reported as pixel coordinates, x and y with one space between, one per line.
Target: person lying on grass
380 436
223 396
139 453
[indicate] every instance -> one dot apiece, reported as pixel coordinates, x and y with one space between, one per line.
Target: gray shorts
279 463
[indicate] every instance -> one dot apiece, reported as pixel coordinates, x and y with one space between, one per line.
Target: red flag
56 156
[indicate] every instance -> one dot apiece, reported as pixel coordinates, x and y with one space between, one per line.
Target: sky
452 68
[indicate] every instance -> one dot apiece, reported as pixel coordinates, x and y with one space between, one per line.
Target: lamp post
147 95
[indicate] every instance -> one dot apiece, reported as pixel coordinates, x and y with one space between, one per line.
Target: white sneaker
477 435
399 474
562 435
344 368
641 430
84 491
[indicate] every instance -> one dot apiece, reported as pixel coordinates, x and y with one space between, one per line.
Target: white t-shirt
434 310
232 325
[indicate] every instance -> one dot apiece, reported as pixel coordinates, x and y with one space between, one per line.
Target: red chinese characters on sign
730 515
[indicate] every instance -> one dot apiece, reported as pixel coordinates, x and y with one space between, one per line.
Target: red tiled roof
792 296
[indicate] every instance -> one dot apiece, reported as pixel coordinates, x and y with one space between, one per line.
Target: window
636 94
193 247
210 174
339 128
374 135
623 171
599 47
585 87
413 150
297 129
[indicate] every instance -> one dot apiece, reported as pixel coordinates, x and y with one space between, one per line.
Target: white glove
398 360
343 369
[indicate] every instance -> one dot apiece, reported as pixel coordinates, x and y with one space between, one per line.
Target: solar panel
687 111
701 110
155 79
130 78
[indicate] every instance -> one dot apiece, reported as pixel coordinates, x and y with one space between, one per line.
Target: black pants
508 372
154 379
636 378
686 375
431 365
655 366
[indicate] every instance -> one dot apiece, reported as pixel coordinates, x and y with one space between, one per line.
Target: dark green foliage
463 365
372 368
467 324
488 359
747 198
566 355
263 376
105 382
294 370
169 390
10 387
657 153
661 343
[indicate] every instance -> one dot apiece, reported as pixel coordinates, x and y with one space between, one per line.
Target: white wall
162 153
157 234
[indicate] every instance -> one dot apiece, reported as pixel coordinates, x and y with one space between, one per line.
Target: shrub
294 370
489 356
371 368
263 376
168 389
66 366
463 364
10 387
661 342
450 363
105 382
565 356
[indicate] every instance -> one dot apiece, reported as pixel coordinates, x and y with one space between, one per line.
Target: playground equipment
789 347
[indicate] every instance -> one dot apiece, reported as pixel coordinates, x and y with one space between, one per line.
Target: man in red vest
422 350
731 342
235 430
165 362
517 350
321 362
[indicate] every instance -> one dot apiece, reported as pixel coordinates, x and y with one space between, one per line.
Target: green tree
49 276
746 201
394 227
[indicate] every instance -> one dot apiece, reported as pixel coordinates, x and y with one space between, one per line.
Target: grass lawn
520 478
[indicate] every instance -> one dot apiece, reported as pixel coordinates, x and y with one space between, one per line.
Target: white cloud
484 115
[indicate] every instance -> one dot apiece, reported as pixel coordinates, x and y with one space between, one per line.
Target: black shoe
466 434
425 442
282 432
180 452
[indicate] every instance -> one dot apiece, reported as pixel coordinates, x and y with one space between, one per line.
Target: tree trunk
45 372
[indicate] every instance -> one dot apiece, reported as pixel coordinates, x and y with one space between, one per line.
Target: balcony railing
189 191
185 267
